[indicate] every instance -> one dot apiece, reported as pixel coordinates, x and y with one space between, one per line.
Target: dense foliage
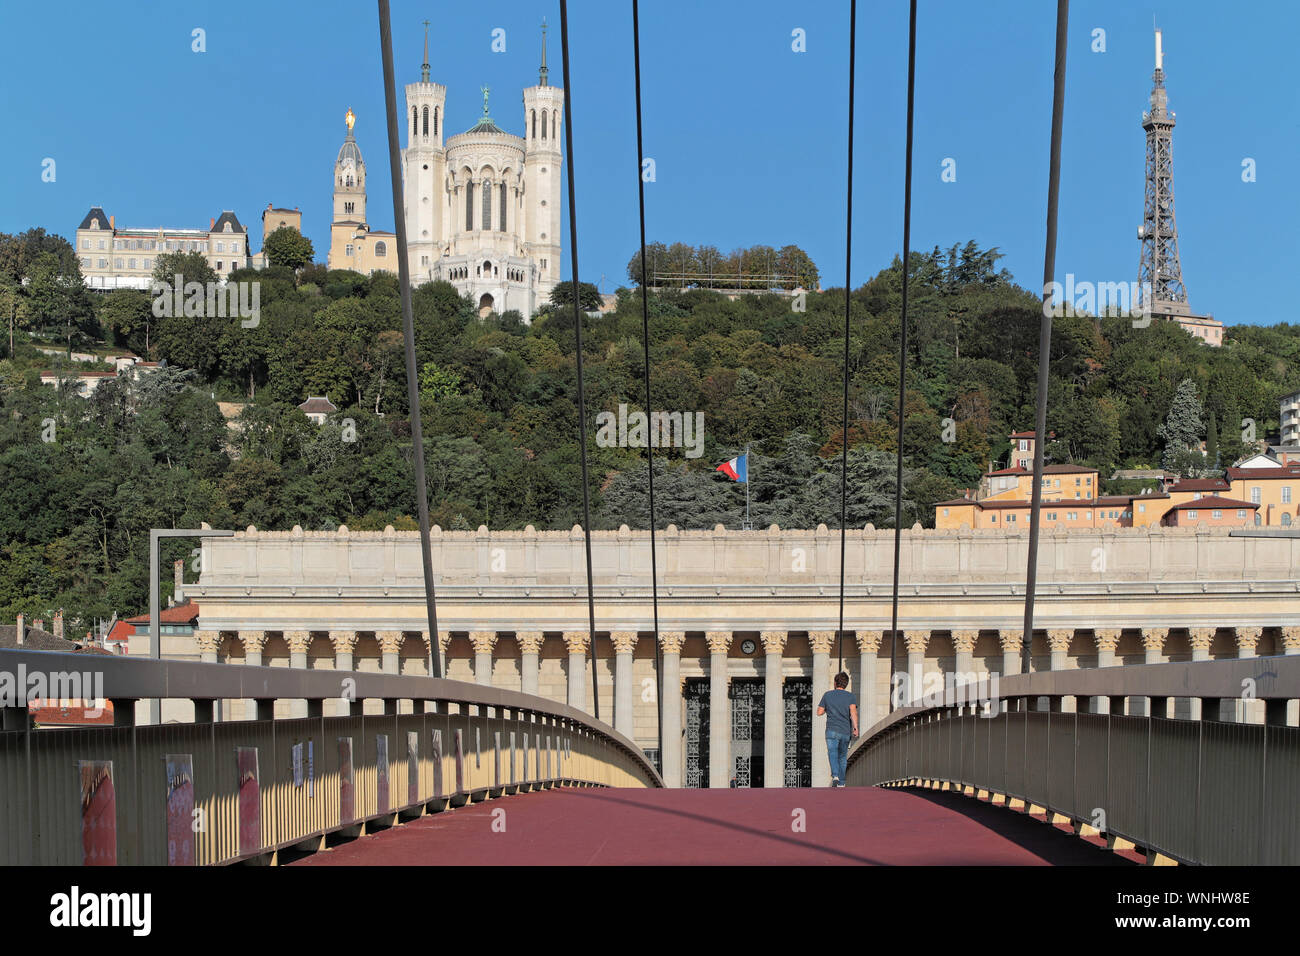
500 418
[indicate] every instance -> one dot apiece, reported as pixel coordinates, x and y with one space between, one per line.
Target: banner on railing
381 770
436 757
412 766
347 788
98 813
496 759
250 801
460 764
180 809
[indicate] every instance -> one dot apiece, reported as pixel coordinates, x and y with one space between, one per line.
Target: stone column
916 642
670 760
821 643
209 642
624 642
483 643
1059 642
253 642
345 643
719 710
773 709
444 642
963 646
530 646
1011 640
577 642
868 652
298 642
1107 639
1153 640
390 645
1291 645
1247 641
1200 638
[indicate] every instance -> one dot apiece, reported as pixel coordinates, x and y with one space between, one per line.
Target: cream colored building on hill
482 207
123 258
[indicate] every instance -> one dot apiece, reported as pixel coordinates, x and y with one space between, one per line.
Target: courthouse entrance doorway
696 694
748 723
747 727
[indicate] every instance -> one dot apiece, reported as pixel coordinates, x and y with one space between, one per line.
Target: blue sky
748 136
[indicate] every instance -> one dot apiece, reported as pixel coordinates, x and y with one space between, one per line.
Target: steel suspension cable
902 347
408 334
577 325
1045 329
848 265
645 339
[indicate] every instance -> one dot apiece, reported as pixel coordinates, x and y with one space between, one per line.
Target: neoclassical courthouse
748 619
482 206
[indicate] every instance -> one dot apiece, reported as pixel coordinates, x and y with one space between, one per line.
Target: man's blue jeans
837 750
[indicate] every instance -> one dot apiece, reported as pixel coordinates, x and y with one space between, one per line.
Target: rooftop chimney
58 623
21 630
38 624
111 223
212 223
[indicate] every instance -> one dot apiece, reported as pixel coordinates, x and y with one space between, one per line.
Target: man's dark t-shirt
838 719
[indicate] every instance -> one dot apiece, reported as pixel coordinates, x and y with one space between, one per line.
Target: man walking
841 710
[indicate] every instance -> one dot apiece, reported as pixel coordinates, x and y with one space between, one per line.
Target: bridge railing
1205 791
213 792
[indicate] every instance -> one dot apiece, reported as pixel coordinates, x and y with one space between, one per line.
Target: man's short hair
841 680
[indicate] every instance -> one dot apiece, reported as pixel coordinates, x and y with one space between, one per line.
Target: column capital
343 641
1248 637
719 641
963 642
624 641
253 641
530 642
209 641
774 641
916 641
577 641
444 640
869 641
1200 637
1291 638
1011 638
672 641
1153 638
1058 639
298 641
390 642
821 641
483 641
1106 638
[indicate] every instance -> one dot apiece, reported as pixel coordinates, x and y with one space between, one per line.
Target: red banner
180 809
250 801
98 813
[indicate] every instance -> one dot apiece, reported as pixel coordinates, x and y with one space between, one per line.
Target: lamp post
155 628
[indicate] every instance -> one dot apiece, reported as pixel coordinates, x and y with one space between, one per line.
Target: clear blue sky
748 137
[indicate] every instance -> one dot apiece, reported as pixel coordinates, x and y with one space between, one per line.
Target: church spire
424 67
541 74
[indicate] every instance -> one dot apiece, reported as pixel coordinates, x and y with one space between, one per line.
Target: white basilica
482 207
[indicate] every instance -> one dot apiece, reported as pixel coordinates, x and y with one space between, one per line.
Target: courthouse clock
747 646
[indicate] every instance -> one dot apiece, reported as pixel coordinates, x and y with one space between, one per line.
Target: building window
347 250
543 124
103 263
1241 512
469 207
130 263
487 205
85 243
1258 519
554 116
1142 509
1255 495
993 518
148 263
426 121
1217 514
1051 516
1286 494
415 121
221 246
945 512
117 263
1191 515
1286 520
381 249
101 244
435 121
534 112
1056 483
502 225
1011 519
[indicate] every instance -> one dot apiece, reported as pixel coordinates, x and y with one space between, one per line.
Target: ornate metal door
747 732
696 693
797 693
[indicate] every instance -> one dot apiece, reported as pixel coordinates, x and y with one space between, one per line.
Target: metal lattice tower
1159 268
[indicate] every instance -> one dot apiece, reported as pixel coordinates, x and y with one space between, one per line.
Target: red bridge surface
848 826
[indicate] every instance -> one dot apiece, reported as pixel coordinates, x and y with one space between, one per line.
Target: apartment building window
1191 516
1077 482
1241 512
234 247
993 518
1087 516
1056 483
117 263
1217 514
130 263
1011 519
1142 509
1074 516
103 263
945 512
85 263
85 243
148 263
221 246
1051 516
218 265
348 249
1286 494
1255 495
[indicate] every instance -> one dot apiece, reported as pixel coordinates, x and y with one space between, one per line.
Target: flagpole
748 525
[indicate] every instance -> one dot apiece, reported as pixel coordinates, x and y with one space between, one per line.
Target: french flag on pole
737 469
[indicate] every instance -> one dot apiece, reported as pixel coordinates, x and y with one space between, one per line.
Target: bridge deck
704 827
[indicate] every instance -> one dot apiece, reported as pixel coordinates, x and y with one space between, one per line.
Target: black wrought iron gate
747 732
797 694
696 694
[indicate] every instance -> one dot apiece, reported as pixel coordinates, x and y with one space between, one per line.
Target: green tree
288 247
589 299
